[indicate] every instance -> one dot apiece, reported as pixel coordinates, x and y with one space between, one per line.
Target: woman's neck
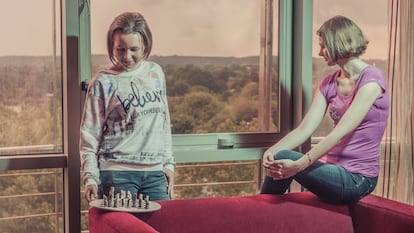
352 67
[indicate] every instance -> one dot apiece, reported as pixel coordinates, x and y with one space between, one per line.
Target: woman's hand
268 159
170 181
283 169
91 192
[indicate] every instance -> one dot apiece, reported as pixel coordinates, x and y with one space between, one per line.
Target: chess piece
112 192
117 201
111 197
140 199
105 201
129 199
147 202
135 201
111 202
122 198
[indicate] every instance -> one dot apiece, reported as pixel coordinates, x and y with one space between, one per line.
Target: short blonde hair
129 22
342 38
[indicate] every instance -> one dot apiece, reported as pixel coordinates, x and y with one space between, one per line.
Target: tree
196 109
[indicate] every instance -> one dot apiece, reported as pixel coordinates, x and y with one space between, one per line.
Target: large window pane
210 57
31 201
30 77
374 25
30 115
232 178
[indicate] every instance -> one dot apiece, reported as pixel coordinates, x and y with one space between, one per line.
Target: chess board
99 203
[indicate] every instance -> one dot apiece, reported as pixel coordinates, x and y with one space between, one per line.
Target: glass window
219 67
31 201
30 115
211 60
30 77
374 25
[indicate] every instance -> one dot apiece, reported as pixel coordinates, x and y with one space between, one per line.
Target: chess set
125 202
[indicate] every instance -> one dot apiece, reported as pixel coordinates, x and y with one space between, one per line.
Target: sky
182 27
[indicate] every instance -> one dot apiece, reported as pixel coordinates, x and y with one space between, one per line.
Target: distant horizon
157 55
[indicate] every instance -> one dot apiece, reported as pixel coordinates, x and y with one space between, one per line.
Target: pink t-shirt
359 151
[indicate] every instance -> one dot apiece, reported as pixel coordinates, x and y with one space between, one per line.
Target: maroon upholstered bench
291 213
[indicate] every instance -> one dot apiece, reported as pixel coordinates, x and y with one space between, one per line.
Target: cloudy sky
182 27
188 27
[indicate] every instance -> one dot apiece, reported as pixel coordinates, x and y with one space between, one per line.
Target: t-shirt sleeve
325 87
374 75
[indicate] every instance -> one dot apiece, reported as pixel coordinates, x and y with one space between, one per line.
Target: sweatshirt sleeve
90 132
169 162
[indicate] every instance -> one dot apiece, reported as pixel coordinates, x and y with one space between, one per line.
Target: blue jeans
151 183
329 182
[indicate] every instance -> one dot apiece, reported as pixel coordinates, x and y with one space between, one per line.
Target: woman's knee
288 154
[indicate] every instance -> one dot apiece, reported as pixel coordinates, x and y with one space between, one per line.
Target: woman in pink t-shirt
356 98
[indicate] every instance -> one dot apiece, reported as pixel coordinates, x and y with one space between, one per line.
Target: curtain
397 160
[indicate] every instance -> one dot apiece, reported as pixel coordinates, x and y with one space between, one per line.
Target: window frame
295 85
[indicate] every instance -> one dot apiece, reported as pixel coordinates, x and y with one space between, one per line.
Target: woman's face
128 50
323 52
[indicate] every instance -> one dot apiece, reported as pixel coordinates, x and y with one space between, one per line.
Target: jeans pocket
363 185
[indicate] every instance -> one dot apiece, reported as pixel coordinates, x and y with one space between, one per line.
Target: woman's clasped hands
280 169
